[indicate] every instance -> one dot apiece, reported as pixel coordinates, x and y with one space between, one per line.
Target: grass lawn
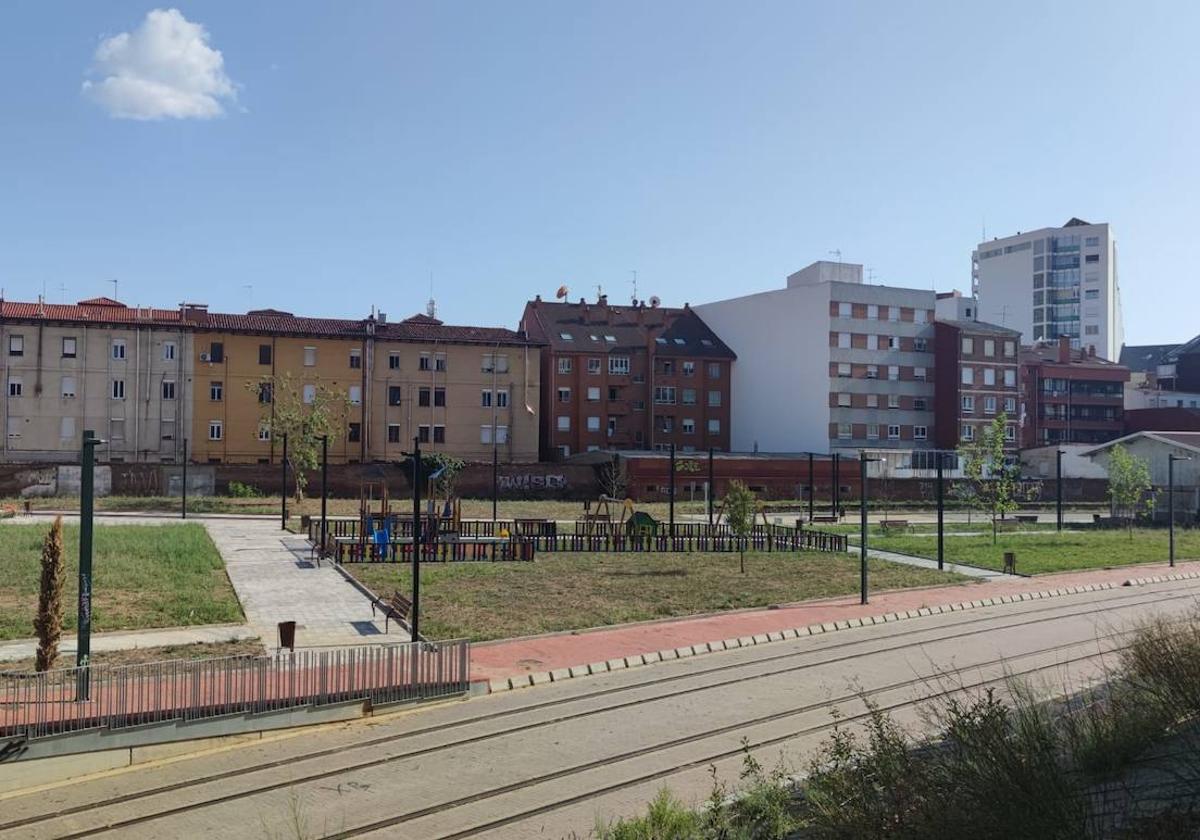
1044 552
572 591
138 656
144 576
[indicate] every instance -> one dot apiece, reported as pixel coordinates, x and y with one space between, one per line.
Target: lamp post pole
812 488
416 567
836 489
283 487
324 490
712 487
1058 494
183 484
83 648
941 511
671 496
863 460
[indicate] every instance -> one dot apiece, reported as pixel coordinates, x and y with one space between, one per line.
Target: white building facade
1053 282
829 364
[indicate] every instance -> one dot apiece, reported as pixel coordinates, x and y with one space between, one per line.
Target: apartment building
123 372
1051 283
978 378
1070 395
829 363
629 377
147 380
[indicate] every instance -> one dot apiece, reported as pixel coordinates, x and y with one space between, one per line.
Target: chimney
1091 351
1064 349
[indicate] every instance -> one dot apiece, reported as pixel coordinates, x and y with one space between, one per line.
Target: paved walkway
514 657
276 581
133 639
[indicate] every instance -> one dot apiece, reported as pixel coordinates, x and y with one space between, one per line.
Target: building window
593 394
843 400
216 391
714 399
355 359
1010 406
968 405
843 310
989 376
16 345
919 316
68 387
893 432
564 364
1091 258
423 397
264 354
118 389
394 392
872 312
843 340
1091 241
494 363
354 435
485 399
894 313
425 362
439 397
872 342
664 395
920 432
689 368
968 346
618 365
68 348
893 342
216 429
893 401
668 366
593 424
118 348
989 347
989 405
845 431
264 432
355 395
168 389
1010 348
423 434
393 432
919 374
266 393
872 431
689 426
714 370
309 394
1091 329
310 356
564 423
872 401
393 361
893 372
216 352
593 365
968 432
1010 378
688 397
1010 433
439 363
919 404
843 369
439 434
714 427
968 376
920 345
564 395
15 386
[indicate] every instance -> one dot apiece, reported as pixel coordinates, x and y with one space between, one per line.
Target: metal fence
112 697
770 538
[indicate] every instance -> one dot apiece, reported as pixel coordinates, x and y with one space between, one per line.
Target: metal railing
112 697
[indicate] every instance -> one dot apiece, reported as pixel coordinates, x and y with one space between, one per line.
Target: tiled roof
1174 353
1144 357
1048 354
102 310
100 301
1187 440
980 327
412 330
582 328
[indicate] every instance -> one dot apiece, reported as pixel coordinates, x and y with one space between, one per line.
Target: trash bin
287 635
1010 562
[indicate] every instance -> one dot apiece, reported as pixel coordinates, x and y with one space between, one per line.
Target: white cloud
164 68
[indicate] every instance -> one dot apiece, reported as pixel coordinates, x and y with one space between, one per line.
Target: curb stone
561 674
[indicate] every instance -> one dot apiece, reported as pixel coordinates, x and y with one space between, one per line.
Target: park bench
894 524
397 607
824 517
1026 518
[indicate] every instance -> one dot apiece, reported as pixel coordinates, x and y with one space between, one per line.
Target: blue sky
505 149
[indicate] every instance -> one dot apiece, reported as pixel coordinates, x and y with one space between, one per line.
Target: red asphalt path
513 657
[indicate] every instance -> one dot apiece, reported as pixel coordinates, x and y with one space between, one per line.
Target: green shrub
238 490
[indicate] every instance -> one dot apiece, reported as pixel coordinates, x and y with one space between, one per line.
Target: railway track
113 813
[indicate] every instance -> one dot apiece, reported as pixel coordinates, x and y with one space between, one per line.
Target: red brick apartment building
977 378
629 377
1071 396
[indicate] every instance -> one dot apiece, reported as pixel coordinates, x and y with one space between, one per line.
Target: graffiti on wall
531 481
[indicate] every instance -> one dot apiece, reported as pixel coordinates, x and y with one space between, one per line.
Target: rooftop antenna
870 275
635 297
62 291
599 291
1003 313
431 305
837 252
114 282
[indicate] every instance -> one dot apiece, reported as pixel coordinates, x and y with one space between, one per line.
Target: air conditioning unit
204 357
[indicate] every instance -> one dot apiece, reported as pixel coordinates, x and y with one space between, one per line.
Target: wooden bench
894 524
1026 518
824 517
397 607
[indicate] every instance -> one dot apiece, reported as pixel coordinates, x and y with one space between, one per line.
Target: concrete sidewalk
517 657
133 640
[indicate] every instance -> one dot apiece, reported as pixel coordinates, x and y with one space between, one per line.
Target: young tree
49 620
987 468
614 478
740 505
450 467
304 412
1129 489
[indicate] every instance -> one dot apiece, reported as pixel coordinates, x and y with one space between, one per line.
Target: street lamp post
1171 459
1058 496
83 648
283 487
712 487
863 460
941 511
183 485
324 490
671 496
811 488
837 487
416 529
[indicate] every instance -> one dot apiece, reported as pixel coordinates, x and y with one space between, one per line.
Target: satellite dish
562 292
655 300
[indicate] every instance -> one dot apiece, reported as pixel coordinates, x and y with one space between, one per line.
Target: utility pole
416 563
941 512
83 648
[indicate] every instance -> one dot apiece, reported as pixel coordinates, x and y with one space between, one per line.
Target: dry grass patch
139 656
